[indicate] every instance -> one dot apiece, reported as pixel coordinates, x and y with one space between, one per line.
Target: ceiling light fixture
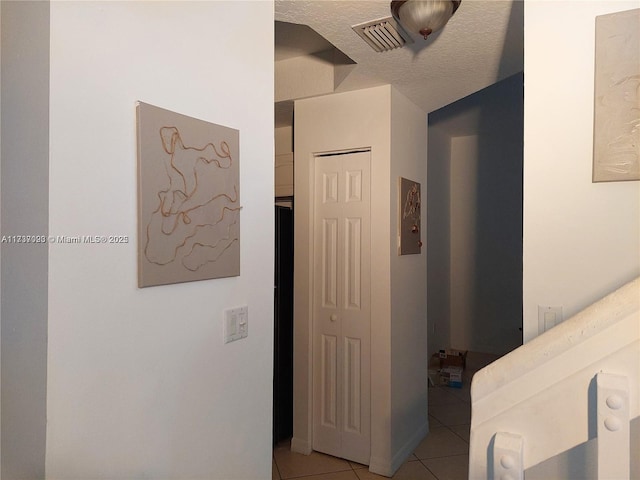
423 16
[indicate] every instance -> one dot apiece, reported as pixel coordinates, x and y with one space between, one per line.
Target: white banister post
612 407
507 456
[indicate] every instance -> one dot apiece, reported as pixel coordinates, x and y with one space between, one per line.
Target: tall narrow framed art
409 211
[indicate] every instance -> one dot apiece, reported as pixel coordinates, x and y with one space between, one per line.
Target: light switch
549 320
236 323
243 321
548 317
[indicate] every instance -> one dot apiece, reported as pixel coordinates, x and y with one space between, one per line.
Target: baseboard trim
401 456
388 468
380 467
301 446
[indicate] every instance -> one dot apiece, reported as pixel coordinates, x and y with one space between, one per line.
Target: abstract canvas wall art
409 205
616 136
188 198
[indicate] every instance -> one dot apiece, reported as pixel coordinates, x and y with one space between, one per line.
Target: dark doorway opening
283 326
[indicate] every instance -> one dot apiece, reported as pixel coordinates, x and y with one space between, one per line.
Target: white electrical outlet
236 323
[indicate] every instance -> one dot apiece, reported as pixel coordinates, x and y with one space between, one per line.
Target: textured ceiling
293 40
481 44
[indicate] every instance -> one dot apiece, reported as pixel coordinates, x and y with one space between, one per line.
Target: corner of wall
408 283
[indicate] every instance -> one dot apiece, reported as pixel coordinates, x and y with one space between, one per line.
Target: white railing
566 404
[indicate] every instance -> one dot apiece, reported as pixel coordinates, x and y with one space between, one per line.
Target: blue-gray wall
494 116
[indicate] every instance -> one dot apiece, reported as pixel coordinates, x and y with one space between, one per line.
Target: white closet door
342 313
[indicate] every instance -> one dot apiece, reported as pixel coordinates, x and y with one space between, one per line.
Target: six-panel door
341 312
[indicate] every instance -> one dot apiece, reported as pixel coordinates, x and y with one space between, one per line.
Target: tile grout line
457 434
442 456
429 470
312 475
275 462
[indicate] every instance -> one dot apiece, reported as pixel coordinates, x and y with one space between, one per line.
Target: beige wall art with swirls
188 198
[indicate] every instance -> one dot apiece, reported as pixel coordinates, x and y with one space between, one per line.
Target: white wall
408 285
580 238
140 383
284 161
463 188
284 140
304 76
25 142
437 204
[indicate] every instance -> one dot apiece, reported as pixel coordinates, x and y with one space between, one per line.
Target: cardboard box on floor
450 357
451 376
446 367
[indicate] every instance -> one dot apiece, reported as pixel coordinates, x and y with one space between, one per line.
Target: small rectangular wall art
409 206
188 198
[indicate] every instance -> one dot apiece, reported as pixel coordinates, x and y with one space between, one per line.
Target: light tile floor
442 455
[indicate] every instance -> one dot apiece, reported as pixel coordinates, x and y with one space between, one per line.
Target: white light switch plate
236 323
548 317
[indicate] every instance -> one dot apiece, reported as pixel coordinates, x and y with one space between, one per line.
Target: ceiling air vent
383 35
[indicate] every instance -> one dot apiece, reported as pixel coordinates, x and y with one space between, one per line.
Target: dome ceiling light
423 16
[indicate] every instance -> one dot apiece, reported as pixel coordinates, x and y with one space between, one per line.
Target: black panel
283 325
